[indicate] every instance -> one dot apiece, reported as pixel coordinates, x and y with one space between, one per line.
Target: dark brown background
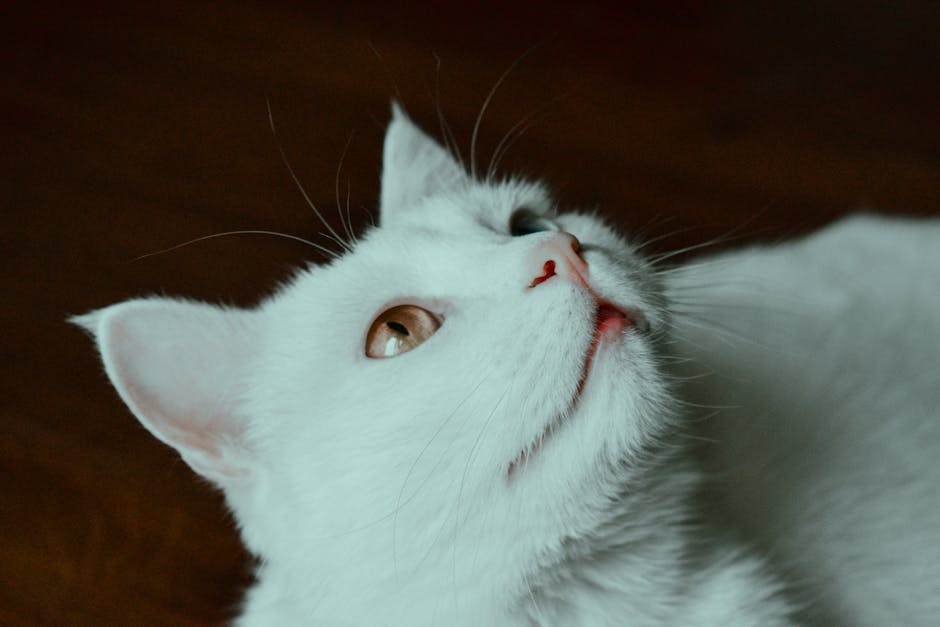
128 130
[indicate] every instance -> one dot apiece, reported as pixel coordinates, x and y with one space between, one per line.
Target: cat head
431 419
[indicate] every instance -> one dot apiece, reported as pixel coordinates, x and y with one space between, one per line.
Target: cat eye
400 329
525 222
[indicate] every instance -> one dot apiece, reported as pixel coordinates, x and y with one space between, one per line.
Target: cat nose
558 254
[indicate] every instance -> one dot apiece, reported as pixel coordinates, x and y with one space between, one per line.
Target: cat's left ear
181 367
414 166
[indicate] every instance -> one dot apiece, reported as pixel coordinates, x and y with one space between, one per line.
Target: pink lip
609 323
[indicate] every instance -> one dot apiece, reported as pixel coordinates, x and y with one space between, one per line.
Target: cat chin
611 323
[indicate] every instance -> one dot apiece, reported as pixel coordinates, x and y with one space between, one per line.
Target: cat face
431 416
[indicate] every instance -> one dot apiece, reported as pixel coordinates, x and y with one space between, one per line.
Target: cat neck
655 561
649 562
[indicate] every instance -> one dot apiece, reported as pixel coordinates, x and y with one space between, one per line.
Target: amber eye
398 330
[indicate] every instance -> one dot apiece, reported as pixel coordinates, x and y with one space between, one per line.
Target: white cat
483 415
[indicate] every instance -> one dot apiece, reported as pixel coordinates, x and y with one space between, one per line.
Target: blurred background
128 130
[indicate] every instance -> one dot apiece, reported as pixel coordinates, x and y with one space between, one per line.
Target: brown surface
129 130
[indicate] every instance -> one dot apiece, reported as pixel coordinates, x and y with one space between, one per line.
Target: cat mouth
610 322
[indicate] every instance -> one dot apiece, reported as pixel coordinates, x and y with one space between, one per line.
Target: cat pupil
520 231
398 328
526 222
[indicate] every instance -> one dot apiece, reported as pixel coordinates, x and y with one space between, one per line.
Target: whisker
749 285
280 148
725 334
456 510
648 242
734 234
322 249
639 235
716 408
514 133
703 309
347 227
722 239
349 212
691 377
697 438
450 142
486 104
674 359
539 614
463 479
388 71
675 338
399 504
686 270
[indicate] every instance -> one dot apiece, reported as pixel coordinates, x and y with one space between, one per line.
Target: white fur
378 492
829 447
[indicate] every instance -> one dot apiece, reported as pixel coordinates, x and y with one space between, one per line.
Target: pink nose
557 255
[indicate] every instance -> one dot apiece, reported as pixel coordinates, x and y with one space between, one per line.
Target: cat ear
180 367
414 166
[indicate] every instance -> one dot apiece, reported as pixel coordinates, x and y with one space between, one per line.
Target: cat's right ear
181 367
414 167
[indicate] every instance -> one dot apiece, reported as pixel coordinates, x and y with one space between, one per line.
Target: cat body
826 448
519 451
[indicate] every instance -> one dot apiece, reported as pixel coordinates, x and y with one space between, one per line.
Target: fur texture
530 462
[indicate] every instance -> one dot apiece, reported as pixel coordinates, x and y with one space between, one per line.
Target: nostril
549 269
557 254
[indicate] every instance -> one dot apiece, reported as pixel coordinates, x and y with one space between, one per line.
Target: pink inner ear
414 166
176 365
209 445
